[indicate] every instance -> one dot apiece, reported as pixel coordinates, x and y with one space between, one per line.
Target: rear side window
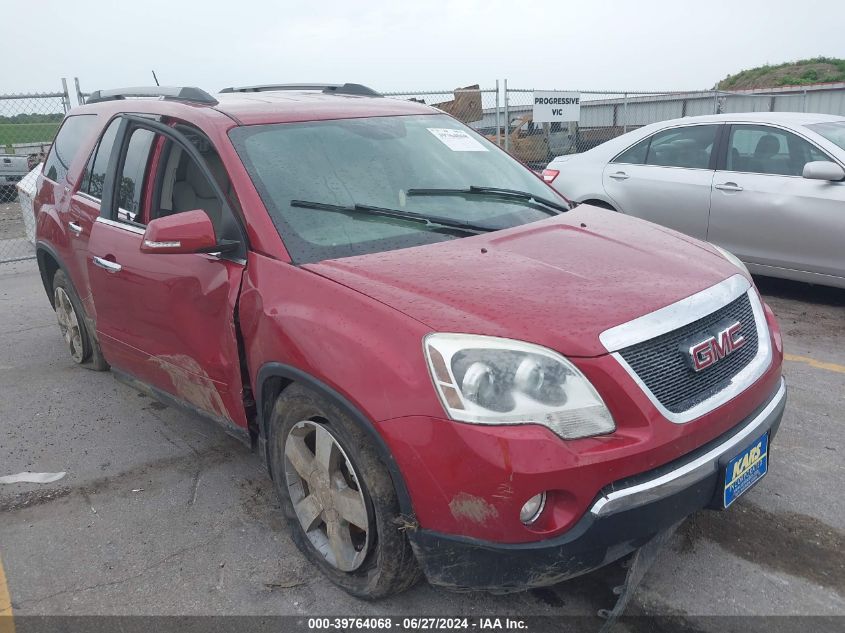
634 155
73 132
95 171
688 147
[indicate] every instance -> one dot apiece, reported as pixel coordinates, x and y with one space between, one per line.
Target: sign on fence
552 107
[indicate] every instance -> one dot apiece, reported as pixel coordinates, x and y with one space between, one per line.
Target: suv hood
558 282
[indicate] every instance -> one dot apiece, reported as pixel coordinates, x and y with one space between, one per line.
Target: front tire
338 496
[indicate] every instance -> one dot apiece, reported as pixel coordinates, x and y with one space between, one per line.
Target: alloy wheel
68 324
326 495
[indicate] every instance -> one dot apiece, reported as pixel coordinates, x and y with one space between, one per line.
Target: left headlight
489 380
733 259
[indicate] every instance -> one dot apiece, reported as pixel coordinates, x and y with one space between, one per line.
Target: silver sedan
767 186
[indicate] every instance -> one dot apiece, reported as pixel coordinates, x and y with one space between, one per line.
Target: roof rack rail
176 93
340 89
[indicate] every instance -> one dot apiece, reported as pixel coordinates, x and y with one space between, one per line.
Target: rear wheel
338 496
83 347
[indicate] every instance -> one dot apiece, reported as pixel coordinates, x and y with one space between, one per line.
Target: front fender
368 352
361 354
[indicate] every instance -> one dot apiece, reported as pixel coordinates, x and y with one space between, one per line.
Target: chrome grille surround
683 313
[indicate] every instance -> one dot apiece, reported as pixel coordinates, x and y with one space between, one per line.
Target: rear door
766 213
167 319
666 178
84 209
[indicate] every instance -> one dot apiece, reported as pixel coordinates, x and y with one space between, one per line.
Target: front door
767 214
666 178
166 319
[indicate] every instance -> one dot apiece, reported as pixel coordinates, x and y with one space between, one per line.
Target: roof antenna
156 78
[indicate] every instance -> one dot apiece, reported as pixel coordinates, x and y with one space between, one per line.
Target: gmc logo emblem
702 354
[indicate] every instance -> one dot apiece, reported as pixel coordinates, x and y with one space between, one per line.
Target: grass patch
27 133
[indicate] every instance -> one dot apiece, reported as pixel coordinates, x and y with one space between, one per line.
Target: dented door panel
168 320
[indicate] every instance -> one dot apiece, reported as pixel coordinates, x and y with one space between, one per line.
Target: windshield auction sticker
457 140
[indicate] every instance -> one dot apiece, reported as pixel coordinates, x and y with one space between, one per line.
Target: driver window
762 149
183 186
130 184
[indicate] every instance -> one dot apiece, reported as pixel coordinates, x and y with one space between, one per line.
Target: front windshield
833 131
375 162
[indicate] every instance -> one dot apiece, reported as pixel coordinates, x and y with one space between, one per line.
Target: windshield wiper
551 205
365 209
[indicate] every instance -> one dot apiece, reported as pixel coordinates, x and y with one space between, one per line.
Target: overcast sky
394 45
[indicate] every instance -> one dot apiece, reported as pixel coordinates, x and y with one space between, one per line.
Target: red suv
447 369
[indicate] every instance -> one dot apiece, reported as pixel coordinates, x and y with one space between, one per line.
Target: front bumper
624 517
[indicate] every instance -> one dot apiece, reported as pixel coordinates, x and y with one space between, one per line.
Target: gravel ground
13 244
164 514
11 224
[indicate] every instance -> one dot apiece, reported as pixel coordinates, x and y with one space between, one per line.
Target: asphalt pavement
164 514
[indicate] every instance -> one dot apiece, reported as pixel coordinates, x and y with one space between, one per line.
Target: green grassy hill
800 73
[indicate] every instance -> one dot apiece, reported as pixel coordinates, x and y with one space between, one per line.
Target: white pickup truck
12 169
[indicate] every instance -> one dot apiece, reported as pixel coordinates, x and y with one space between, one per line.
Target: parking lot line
7 622
812 362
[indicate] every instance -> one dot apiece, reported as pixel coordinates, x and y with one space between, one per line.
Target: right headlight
489 380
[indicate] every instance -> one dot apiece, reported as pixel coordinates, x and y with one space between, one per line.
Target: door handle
74 228
109 267
620 175
728 186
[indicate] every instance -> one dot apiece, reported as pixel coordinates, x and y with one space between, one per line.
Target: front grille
663 368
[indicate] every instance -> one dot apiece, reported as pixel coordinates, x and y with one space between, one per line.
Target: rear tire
82 344
326 471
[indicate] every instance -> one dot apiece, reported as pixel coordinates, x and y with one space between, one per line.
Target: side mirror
823 170
186 232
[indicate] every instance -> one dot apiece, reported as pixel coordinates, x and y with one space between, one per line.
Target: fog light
532 508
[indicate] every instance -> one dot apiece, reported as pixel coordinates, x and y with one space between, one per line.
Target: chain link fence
28 123
504 115
478 108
